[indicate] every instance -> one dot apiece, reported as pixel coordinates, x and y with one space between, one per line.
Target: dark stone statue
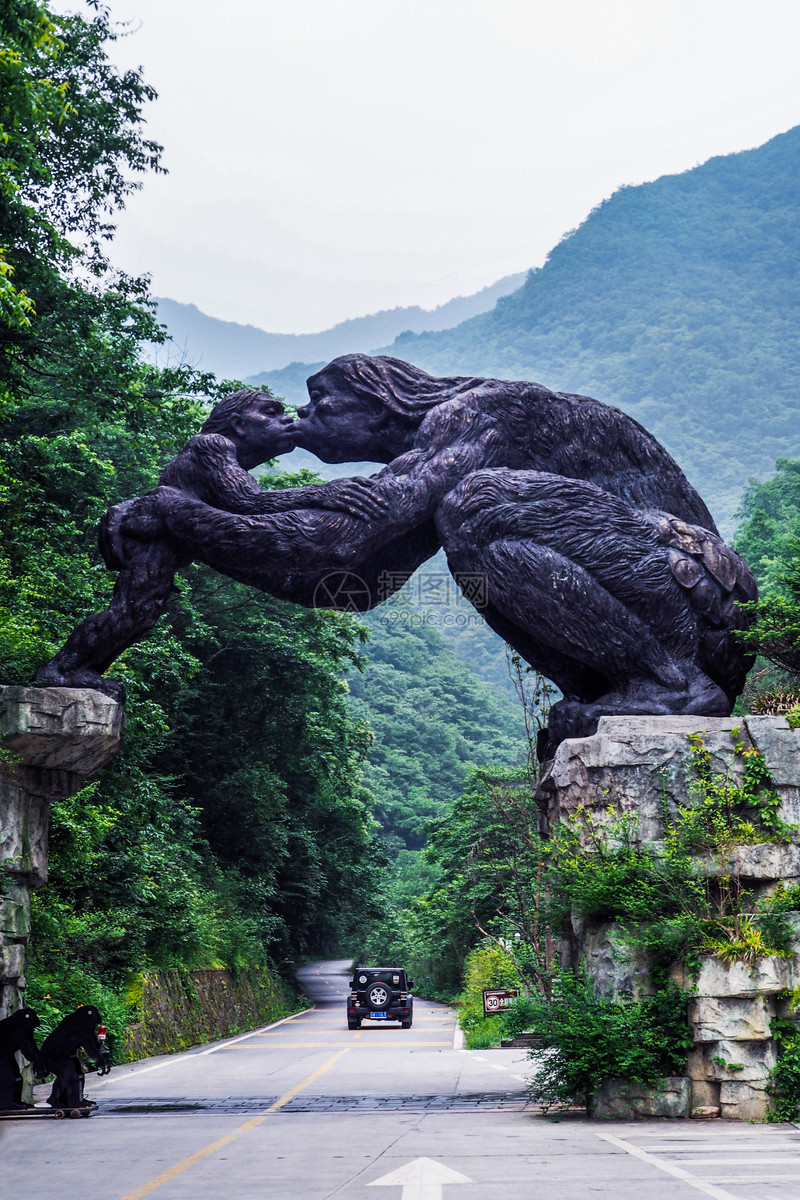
59 1056
244 430
16 1037
602 566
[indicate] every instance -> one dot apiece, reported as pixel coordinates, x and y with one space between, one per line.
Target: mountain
431 716
233 351
678 301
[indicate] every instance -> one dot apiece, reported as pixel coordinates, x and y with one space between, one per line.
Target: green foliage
591 1040
769 538
675 300
783 1088
667 904
431 717
234 825
487 966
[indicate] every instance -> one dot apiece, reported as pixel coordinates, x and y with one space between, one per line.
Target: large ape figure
59 1056
16 1037
602 566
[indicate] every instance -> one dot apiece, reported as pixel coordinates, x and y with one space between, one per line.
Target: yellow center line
185 1163
372 1045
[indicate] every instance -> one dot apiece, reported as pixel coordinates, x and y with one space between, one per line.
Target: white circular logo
343 591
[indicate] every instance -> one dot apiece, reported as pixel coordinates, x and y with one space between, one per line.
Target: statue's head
369 408
255 422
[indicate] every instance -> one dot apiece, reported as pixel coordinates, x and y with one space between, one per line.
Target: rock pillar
641 766
51 740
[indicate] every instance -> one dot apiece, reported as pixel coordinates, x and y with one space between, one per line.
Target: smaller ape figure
59 1056
16 1037
243 431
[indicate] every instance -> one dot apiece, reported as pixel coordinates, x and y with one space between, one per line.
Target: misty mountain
233 351
678 301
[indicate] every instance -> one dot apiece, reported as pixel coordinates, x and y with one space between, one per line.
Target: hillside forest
276 757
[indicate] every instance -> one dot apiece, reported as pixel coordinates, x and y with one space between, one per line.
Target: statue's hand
139 518
357 496
110 538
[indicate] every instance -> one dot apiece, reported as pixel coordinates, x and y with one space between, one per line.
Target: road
305 1110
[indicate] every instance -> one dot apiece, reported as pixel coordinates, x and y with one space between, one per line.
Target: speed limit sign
497 999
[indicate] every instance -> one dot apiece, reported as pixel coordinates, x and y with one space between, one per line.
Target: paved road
305 1110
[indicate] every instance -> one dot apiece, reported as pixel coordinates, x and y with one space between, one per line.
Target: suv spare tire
378 996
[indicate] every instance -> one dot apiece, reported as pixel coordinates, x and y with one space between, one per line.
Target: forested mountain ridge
232 350
678 301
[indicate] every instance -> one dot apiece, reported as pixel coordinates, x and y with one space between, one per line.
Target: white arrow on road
421 1179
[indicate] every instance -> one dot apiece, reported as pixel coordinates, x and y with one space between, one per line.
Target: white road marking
702 1185
173 1058
421 1179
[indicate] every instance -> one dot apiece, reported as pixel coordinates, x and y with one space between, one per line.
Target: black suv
381 994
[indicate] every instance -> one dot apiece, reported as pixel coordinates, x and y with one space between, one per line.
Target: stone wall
51 739
641 766
181 1009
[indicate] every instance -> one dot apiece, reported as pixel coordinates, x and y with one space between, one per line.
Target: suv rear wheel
353 1023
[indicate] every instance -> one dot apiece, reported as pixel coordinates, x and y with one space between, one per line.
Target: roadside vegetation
296 782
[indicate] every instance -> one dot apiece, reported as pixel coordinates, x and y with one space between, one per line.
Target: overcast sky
328 158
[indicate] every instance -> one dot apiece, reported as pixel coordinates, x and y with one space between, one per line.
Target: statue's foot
575 719
49 675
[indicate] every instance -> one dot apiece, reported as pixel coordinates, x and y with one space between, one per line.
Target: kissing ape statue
602 565
16 1037
59 1056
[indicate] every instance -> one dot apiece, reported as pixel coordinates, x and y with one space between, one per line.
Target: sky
330 158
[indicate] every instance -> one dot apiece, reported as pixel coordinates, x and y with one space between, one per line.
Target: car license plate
377 1016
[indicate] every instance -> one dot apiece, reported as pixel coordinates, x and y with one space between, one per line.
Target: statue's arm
413 485
207 469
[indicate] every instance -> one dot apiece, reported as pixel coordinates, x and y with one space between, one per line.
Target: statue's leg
140 596
586 579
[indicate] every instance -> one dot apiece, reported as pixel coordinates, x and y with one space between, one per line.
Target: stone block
620 1100
704 1093
639 763
748 1062
612 963
72 730
759 860
767 975
779 746
11 997
697 1064
731 1019
743 1102
24 822
12 961
15 920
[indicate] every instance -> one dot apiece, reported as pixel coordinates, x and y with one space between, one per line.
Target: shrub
487 966
587 1040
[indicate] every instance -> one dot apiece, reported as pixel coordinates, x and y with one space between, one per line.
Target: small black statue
16 1037
59 1056
603 567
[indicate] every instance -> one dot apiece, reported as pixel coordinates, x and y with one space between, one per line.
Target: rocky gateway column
51 740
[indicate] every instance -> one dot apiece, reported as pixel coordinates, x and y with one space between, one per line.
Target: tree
769 539
233 824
